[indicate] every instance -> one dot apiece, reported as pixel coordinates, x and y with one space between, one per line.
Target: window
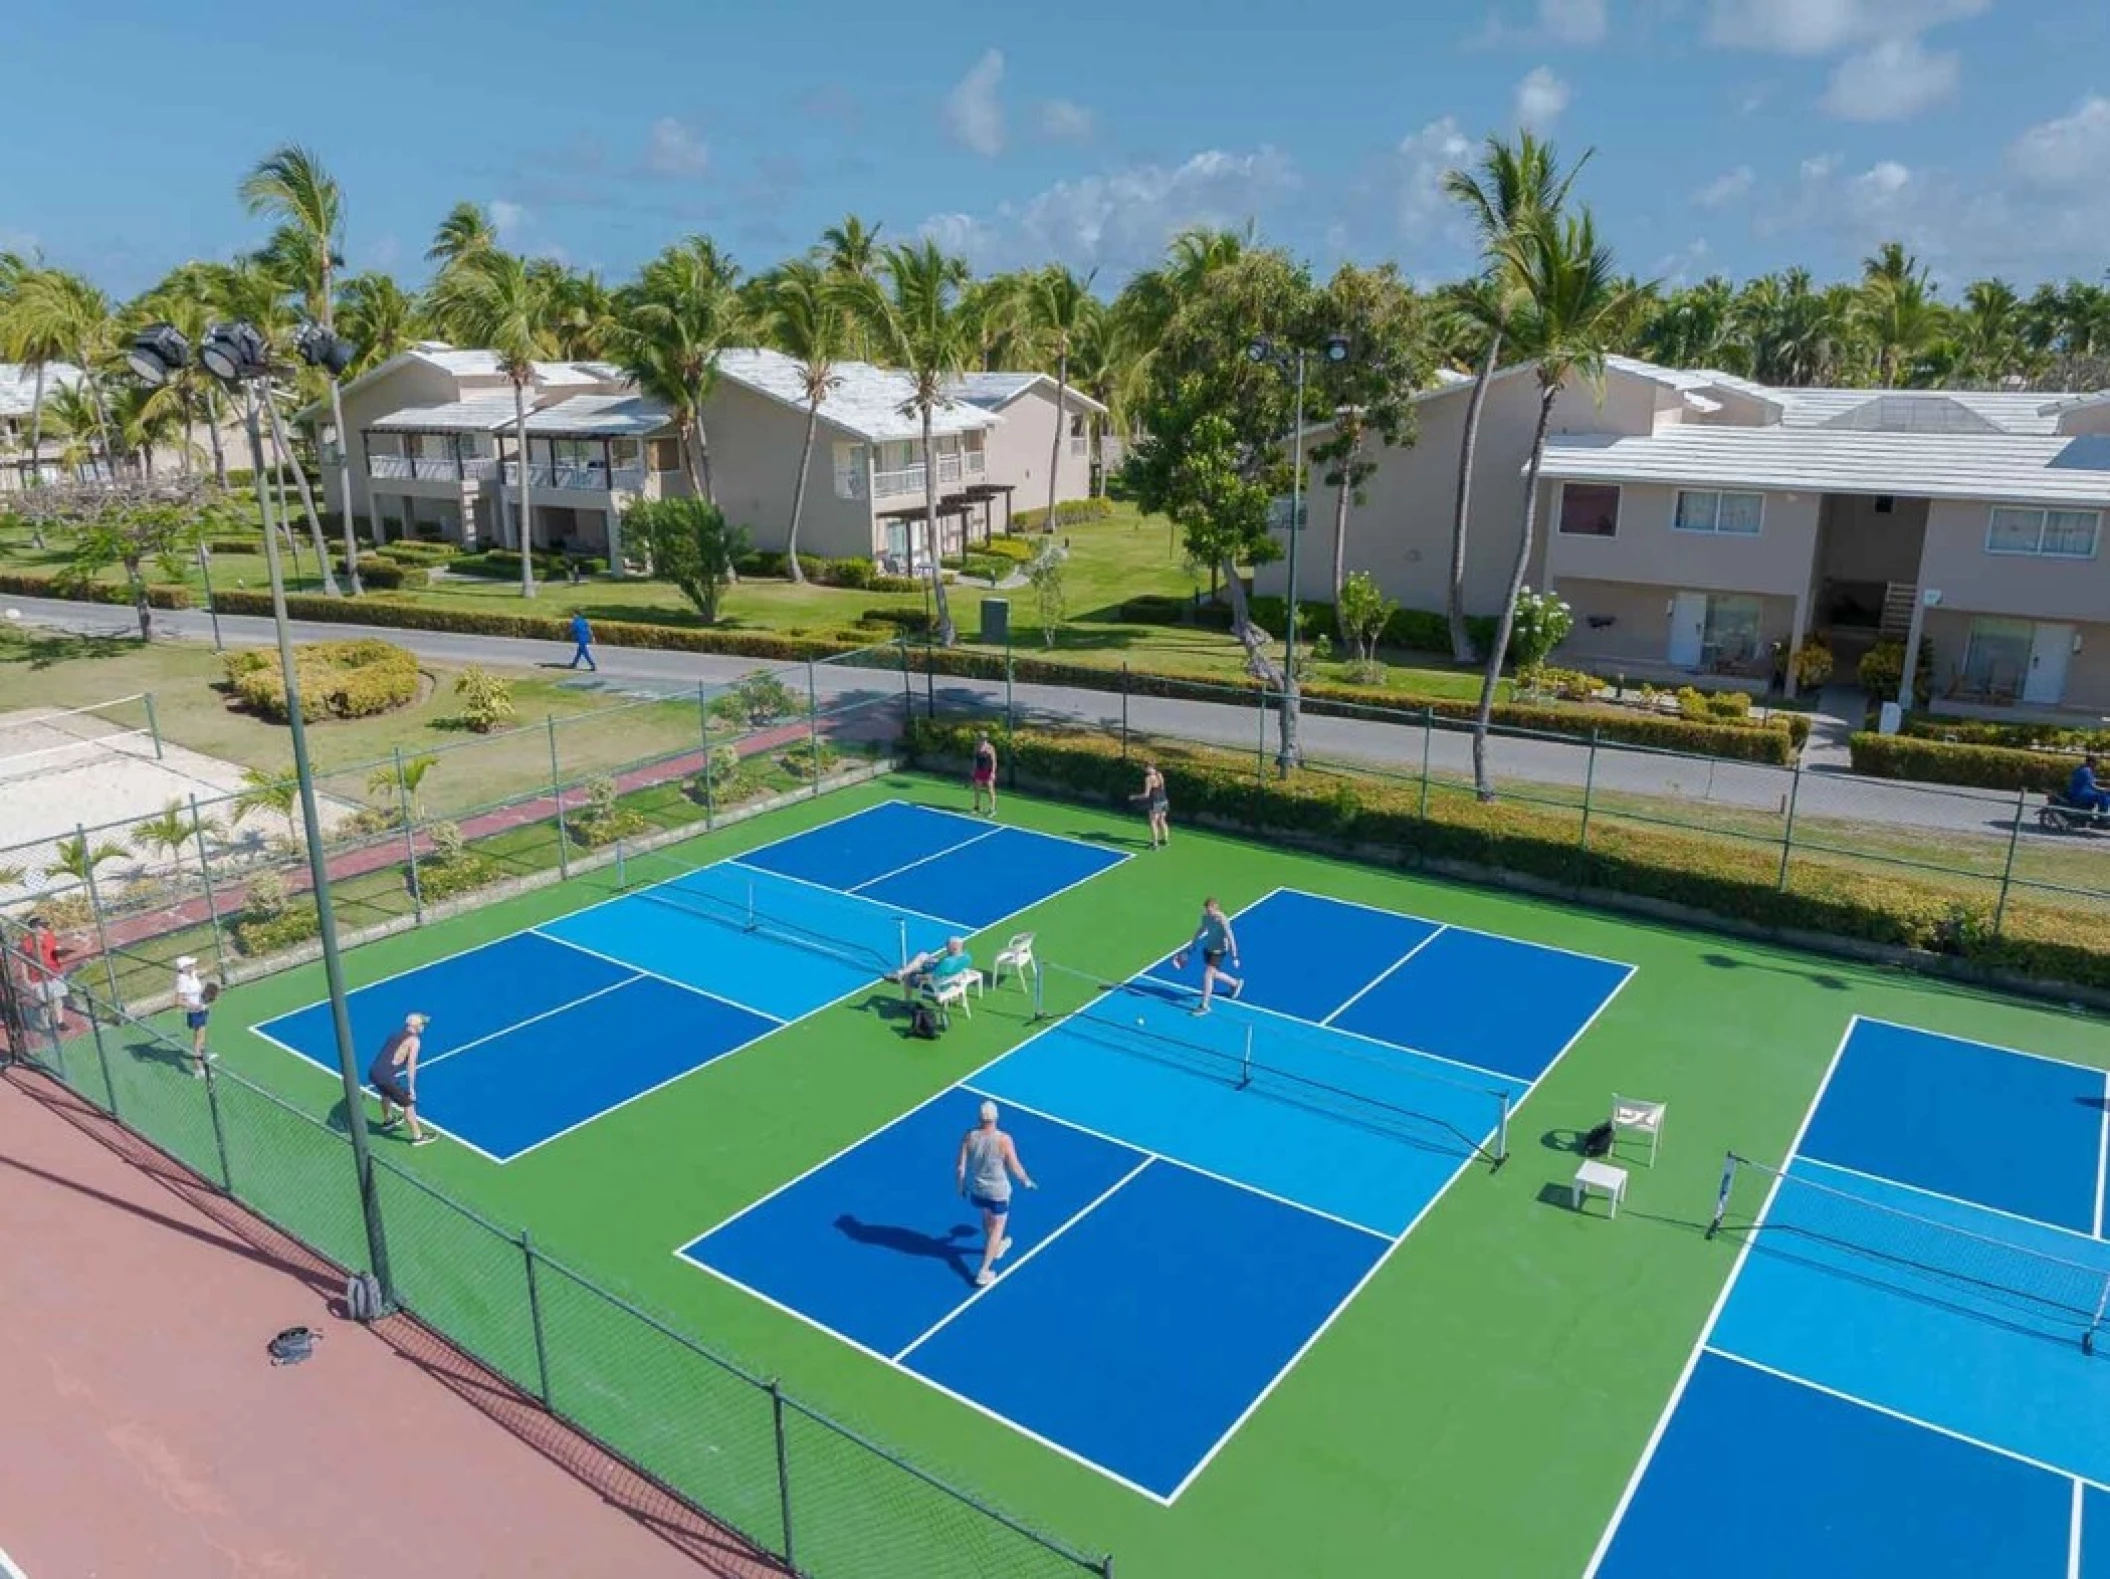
1724 514
1732 630
1998 654
2054 534
1589 509
1886 504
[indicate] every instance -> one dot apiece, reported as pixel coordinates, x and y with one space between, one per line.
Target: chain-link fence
816 1495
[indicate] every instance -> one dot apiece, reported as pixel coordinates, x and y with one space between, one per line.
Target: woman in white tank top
987 1163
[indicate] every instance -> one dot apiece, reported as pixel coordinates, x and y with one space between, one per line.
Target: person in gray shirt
987 1163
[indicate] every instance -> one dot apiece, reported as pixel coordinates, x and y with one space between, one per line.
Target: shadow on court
952 1249
1559 1193
1821 978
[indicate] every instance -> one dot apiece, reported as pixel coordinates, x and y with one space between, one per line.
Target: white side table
1600 1178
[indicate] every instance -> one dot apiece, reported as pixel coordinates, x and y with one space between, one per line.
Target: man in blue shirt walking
582 639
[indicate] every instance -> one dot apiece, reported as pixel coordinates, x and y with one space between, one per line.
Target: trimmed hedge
385 575
1938 762
1736 881
160 595
412 552
338 679
1015 549
2018 736
1070 512
505 563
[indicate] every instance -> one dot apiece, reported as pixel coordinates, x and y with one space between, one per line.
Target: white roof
2059 407
2002 466
1918 410
866 401
18 384
993 391
479 414
485 364
601 416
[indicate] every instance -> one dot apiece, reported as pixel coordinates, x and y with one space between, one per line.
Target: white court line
1714 1316
2073 1538
1452 926
1060 1229
935 1386
562 1008
337 1079
891 912
644 974
1357 996
1816 1162
1972 1041
2102 1158
923 860
10 1569
1038 833
1900 1415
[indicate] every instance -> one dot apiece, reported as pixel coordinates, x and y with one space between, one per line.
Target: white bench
1599 1178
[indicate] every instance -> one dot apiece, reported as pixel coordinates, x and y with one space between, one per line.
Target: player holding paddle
395 1076
1215 939
195 997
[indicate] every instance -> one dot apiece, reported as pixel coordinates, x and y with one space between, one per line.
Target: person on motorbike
2083 792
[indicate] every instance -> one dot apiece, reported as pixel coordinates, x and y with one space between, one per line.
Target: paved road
1546 766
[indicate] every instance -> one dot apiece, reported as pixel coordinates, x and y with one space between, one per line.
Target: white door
2049 648
1688 628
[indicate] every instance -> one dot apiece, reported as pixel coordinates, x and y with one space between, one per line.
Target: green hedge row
2016 736
25 584
1938 762
505 562
1068 513
1736 881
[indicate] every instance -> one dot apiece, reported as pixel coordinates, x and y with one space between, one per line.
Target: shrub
899 620
604 819
267 895
235 545
1938 762
856 574
441 880
412 552
338 679
880 583
1813 665
808 760
1071 512
385 575
2020 735
159 595
1015 549
1540 622
1702 706
757 699
1883 670
446 841
487 699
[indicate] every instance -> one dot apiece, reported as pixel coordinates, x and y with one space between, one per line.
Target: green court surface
1477 1408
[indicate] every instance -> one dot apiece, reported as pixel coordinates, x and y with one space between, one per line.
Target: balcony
579 478
952 467
431 468
908 479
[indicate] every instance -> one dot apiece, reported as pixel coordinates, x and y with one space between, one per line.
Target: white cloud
1892 80
1826 27
2070 151
1541 97
676 149
973 114
507 218
1678 268
1819 167
1881 183
1419 165
1122 220
1573 21
1063 121
1725 188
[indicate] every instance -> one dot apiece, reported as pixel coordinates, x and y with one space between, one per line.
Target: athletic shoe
1199 1007
1237 987
1003 1249
984 1278
425 1139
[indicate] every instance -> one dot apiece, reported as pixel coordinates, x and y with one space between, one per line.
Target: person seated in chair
929 970
2083 792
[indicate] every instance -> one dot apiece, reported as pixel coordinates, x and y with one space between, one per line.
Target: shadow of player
952 1249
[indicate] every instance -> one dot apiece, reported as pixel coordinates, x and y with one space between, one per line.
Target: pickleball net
1849 1233
1394 1091
852 931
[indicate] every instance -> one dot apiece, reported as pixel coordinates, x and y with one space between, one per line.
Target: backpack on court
923 1022
362 1297
1598 1142
293 1345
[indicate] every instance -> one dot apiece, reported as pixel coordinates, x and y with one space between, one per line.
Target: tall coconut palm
379 317
684 310
466 231
913 315
807 322
849 251
504 306
1989 331
53 314
1567 307
1057 309
37 341
584 315
1898 313
1512 186
290 187
1103 361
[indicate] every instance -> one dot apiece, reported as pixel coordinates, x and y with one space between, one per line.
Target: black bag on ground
923 1022
1598 1142
293 1345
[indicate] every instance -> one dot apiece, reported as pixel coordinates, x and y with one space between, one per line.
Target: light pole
1292 359
236 354
158 351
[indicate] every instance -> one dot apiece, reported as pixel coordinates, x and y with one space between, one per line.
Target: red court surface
145 1430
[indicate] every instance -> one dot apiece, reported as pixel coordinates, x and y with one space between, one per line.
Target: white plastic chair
944 994
1632 1116
1018 954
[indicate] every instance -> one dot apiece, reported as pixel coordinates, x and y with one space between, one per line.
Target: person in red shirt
46 983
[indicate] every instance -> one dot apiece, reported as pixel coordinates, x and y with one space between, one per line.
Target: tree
37 338
684 310
1361 610
465 233
807 322
1044 574
384 781
1370 393
1512 187
168 831
849 252
1058 310
1568 306
505 308
1542 622
51 313
1897 311
379 317
276 791
77 858
290 186
913 316
124 523
691 546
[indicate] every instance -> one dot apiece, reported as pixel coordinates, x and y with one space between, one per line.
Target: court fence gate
818 1496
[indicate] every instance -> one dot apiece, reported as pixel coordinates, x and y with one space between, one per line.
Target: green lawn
1509 1353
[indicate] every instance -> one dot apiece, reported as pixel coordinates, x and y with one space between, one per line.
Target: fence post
556 785
527 1250
153 725
102 1054
1010 722
2007 870
1787 833
410 839
776 1409
930 685
219 1129
1589 787
908 688
813 725
1260 736
95 908
212 902
1428 735
1124 709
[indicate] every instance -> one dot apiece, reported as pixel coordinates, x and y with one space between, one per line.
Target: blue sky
1730 135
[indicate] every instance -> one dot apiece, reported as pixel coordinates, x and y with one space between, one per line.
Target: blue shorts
995 1208
196 1018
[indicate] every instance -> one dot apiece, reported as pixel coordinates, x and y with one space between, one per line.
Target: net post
153 724
752 920
776 1413
1787 832
1245 1062
556 785
219 1127
212 901
901 940
1501 1127
1721 1200
813 725
1040 998
2102 1303
95 908
410 838
534 1294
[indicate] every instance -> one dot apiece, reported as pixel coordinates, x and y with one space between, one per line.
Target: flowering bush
1543 620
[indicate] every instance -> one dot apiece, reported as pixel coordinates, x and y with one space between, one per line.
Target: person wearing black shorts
394 1076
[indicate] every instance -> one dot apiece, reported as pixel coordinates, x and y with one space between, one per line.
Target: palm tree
37 340
384 781
1991 330
1898 312
164 834
1566 308
1057 307
915 320
379 318
584 314
806 321
1513 186
1103 362
504 307
851 249
52 313
270 790
684 310
290 186
465 232
77 858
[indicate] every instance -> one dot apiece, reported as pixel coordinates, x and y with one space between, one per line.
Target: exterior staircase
1898 600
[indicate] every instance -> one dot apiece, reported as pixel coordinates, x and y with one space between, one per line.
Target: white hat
184 962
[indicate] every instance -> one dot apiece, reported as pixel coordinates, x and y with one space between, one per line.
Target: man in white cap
394 1075
191 999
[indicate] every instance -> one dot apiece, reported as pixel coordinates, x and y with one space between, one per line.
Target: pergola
963 505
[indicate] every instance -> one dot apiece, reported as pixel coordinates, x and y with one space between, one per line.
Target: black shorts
391 1089
1213 958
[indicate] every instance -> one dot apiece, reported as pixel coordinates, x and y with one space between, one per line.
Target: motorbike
2060 815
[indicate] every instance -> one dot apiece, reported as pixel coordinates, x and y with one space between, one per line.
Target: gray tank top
985 1166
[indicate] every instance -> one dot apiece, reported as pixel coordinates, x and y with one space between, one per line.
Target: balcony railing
432 468
579 478
952 466
850 485
907 479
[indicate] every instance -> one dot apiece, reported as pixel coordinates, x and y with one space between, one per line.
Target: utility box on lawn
996 622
